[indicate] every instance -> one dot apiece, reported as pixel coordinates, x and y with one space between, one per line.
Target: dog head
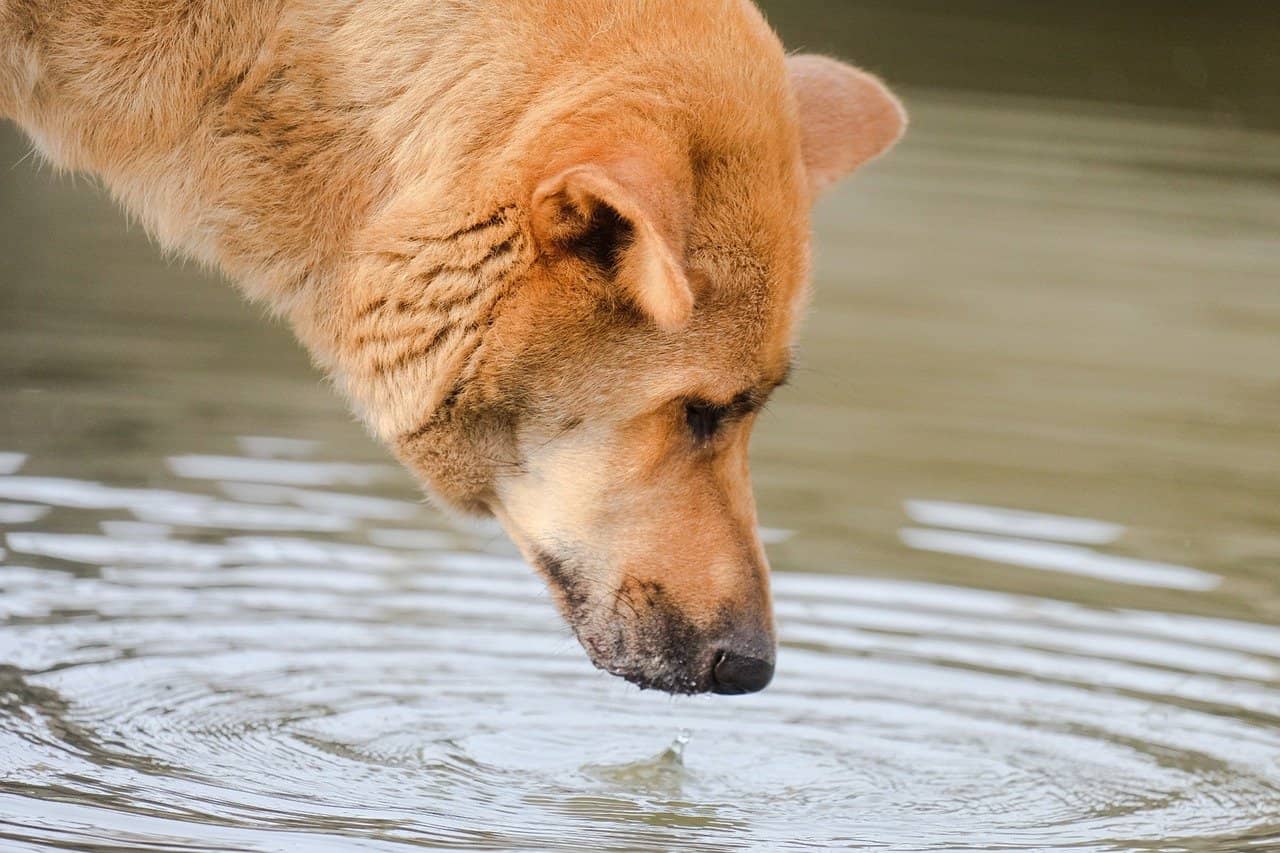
645 289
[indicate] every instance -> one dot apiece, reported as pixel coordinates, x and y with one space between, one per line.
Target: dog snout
662 635
733 673
742 662
661 649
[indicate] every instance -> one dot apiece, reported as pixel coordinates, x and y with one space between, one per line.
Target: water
1022 500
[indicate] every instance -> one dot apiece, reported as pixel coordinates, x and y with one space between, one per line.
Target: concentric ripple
272 666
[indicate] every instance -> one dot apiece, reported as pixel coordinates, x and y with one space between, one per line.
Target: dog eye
704 419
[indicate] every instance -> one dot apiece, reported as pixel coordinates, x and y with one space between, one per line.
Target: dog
553 251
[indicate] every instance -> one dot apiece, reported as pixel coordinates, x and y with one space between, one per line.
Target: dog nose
737 673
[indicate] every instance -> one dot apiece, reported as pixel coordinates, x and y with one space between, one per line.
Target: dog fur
553 250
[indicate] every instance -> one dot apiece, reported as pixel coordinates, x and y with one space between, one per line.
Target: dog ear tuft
605 216
847 117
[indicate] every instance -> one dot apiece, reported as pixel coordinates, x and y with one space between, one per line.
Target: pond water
1022 501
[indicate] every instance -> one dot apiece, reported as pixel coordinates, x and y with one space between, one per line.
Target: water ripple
181 680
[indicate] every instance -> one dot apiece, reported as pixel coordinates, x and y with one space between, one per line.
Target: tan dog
554 251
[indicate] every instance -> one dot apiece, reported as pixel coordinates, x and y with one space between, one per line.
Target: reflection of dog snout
733 673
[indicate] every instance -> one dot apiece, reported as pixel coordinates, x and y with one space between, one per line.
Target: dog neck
379 211
377 199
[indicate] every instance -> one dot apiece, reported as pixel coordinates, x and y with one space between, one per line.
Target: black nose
735 673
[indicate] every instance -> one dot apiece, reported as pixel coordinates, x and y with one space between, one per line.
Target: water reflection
10 462
1013 522
283 471
1013 537
1055 557
388 681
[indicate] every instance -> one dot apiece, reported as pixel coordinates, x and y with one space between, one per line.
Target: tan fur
417 187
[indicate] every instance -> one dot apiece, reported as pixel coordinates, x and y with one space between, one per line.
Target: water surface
1022 500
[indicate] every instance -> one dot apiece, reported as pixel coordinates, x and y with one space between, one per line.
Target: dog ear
847 117
616 217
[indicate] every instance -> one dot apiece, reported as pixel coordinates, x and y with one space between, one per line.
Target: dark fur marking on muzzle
560 576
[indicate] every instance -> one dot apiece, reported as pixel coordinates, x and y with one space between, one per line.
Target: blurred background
1022 500
1214 62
